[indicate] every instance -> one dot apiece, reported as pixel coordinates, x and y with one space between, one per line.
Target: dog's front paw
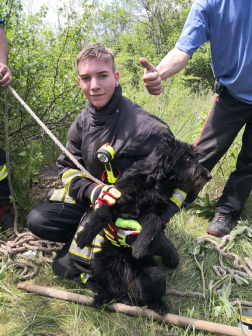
100 300
81 240
91 284
159 307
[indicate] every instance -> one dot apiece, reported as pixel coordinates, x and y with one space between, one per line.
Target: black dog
132 275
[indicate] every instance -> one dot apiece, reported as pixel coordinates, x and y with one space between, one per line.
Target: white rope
52 136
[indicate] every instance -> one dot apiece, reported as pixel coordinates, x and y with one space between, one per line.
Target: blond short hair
99 52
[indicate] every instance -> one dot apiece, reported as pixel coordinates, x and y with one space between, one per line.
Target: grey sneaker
220 225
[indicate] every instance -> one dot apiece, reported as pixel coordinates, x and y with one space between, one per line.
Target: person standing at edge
6 208
227 24
133 133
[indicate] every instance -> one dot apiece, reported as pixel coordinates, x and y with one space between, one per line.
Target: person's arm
170 65
5 71
195 33
76 183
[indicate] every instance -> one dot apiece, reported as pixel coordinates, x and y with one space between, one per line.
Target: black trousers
58 222
224 122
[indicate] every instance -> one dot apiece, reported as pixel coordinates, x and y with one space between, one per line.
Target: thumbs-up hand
151 77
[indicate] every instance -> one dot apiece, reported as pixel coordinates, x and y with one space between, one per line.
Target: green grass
29 314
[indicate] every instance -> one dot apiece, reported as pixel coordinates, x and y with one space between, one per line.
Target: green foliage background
42 60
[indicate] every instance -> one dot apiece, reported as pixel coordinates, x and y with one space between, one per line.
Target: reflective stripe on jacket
178 197
60 195
69 175
3 172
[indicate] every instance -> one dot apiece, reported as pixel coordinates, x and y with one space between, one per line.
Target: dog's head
174 164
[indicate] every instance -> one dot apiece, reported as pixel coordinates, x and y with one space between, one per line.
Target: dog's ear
156 156
150 163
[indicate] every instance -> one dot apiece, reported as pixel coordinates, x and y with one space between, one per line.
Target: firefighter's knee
35 221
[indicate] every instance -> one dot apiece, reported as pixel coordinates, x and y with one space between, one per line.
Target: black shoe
220 225
161 246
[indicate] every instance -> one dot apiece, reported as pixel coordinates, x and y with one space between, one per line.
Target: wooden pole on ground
181 321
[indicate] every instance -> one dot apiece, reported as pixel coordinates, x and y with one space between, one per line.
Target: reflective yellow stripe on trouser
3 172
60 195
86 254
85 277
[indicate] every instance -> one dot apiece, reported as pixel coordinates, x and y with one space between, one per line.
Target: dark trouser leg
224 122
63 265
57 222
239 184
161 246
6 208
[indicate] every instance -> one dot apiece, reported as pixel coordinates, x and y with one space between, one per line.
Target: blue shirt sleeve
1 20
196 30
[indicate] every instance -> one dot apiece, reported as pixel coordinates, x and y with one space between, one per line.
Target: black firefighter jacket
130 130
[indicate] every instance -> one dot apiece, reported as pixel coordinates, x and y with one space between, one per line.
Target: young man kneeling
131 131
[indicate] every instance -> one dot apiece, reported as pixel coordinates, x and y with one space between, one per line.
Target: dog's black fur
133 276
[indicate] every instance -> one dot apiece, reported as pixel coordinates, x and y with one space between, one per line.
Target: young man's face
97 81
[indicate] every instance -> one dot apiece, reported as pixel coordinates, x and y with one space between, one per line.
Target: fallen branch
181 321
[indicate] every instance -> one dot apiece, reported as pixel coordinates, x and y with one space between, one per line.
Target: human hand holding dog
124 232
100 195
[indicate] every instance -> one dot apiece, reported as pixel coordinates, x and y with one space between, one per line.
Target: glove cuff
89 190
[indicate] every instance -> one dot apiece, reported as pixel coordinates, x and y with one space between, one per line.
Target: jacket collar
100 116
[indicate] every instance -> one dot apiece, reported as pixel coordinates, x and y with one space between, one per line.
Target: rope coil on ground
246 270
221 270
25 242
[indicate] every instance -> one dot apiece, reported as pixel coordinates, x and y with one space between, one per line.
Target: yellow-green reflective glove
123 232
